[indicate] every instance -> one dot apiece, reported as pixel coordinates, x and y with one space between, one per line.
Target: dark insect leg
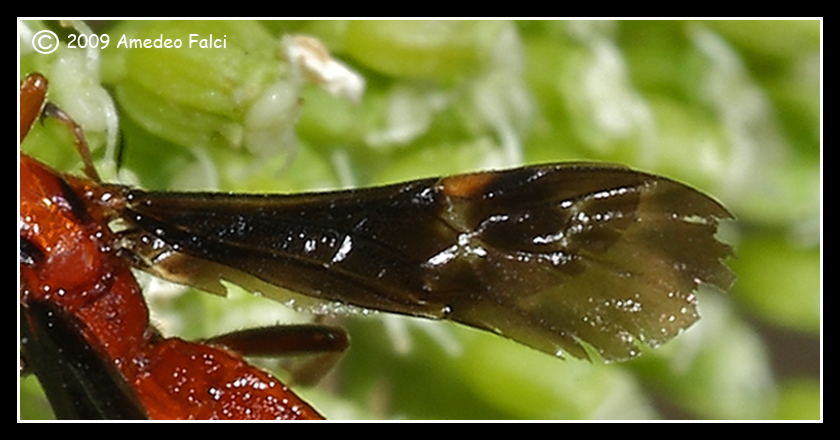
53 111
326 343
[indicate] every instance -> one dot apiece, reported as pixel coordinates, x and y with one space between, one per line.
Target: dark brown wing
79 383
546 255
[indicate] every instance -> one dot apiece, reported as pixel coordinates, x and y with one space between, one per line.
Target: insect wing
547 255
79 382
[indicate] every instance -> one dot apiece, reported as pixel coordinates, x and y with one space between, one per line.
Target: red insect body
78 273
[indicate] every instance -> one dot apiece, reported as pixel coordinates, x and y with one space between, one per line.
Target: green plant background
730 107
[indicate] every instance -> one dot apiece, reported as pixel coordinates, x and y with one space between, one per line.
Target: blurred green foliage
731 107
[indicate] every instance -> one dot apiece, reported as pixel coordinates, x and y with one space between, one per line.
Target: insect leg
325 342
53 111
